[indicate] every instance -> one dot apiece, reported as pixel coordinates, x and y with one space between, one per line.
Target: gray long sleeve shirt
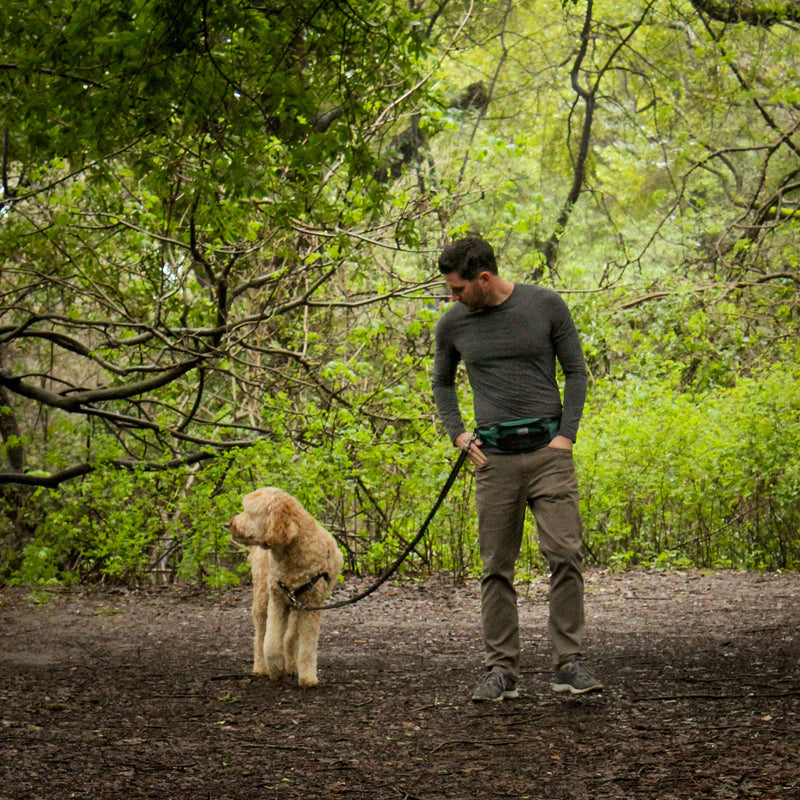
510 354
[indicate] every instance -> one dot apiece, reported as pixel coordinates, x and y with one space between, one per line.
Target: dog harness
293 594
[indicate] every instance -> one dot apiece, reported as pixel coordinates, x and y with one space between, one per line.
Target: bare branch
53 480
759 15
76 402
727 287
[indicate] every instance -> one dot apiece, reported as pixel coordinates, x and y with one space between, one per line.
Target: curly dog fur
287 545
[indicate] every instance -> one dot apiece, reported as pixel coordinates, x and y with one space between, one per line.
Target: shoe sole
507 695
567 687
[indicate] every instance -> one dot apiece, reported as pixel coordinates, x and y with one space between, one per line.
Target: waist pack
521 435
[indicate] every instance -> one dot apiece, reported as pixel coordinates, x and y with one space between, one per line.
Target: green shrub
709 479
668 478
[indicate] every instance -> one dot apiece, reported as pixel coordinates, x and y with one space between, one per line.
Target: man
509 337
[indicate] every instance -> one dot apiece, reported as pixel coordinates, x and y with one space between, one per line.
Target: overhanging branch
728 287
53 480
761 15
76 402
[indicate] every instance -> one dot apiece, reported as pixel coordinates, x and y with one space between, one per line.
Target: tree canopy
219 225
182 185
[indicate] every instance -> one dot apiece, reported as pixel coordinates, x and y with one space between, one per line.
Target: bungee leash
292 596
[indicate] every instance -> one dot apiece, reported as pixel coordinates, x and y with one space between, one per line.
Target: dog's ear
280 519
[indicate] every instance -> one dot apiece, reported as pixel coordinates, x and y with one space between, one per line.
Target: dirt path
148 695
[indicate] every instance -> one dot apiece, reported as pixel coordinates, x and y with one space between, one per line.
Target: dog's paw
274 668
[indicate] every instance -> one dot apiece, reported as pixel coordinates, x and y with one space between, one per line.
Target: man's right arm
446 398
445 362
443 383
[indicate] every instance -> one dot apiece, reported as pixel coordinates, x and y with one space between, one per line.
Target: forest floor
147 694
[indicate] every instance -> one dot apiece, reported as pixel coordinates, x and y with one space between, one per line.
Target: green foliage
200 243
668 479
179 184
709 479
371 482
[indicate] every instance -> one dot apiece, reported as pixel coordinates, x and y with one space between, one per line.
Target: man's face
471 293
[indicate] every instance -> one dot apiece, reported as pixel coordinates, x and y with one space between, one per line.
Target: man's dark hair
468 257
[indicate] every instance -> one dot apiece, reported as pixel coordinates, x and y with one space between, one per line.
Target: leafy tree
186 190
646 151
219 223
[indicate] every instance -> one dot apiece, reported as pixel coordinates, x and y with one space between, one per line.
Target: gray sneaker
575 678
495 685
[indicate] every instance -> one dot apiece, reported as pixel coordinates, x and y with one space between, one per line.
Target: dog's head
269 519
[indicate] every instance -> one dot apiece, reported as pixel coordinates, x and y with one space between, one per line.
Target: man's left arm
569 353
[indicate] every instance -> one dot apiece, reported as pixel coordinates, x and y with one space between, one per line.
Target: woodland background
219 226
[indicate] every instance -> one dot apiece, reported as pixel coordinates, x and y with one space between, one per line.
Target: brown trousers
545 481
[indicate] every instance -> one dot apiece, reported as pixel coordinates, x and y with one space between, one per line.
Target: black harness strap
293 594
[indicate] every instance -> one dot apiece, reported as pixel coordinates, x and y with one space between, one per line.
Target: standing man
509 337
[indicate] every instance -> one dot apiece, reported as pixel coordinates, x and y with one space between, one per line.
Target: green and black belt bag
520 435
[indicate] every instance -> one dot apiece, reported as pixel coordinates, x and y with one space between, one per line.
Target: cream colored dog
291 554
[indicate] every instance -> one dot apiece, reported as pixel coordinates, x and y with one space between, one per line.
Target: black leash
402 557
